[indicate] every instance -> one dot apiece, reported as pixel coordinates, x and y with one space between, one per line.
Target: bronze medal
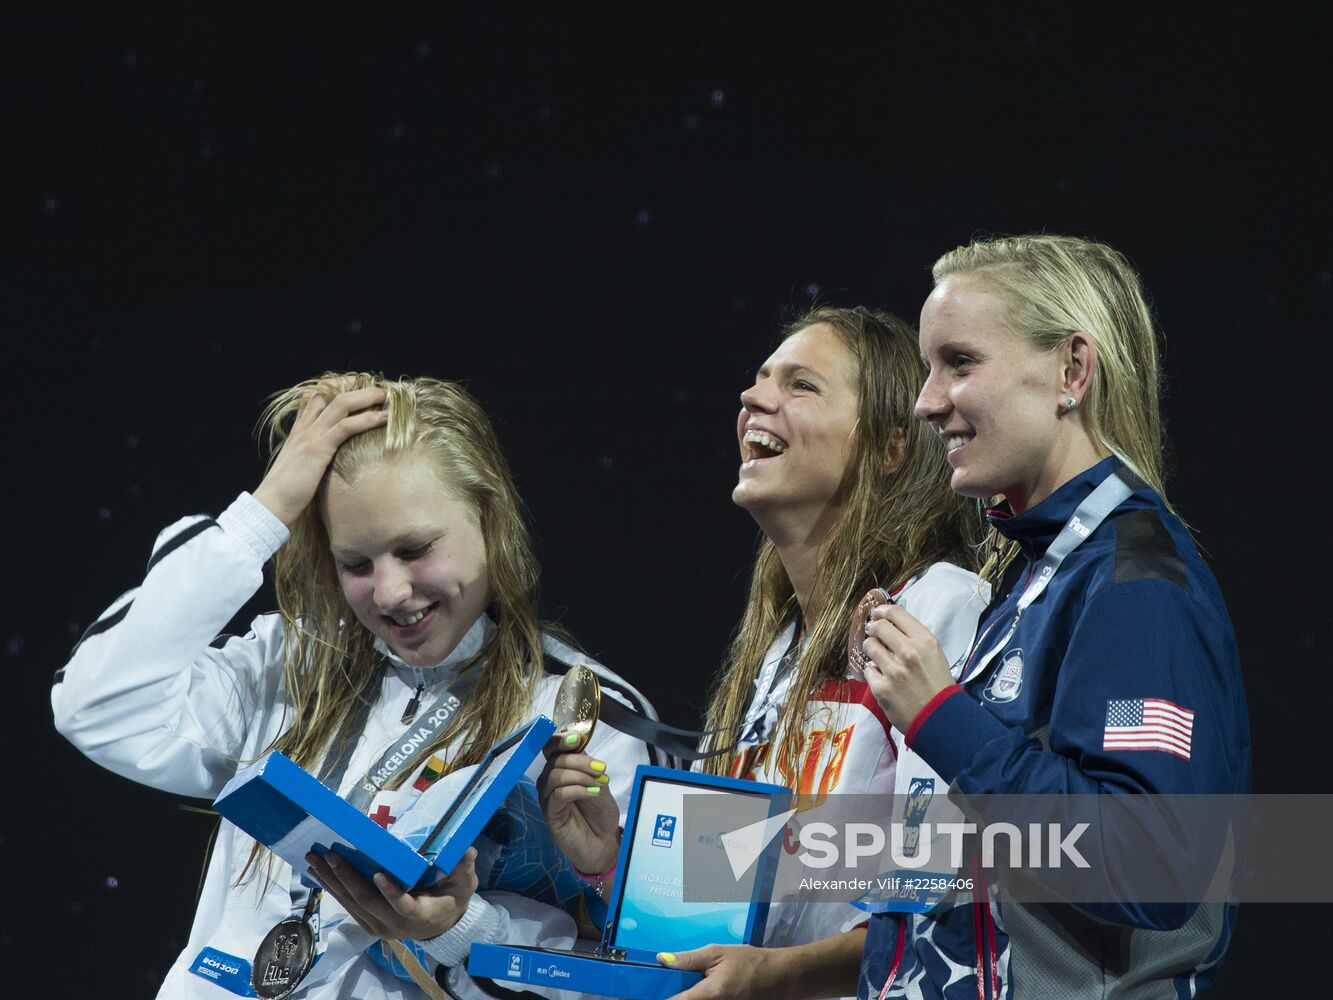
577 704
283 959
856 633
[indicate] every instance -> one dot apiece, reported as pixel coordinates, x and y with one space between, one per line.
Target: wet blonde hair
1053 286
330 664
899 517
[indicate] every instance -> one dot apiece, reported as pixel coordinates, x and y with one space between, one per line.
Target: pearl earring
1070 403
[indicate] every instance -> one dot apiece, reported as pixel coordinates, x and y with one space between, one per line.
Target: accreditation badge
925 862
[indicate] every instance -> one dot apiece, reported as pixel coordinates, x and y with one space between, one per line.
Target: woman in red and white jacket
850 493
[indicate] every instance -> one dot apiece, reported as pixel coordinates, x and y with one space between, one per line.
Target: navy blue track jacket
1132 620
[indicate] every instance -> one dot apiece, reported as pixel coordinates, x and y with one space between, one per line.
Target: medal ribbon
401 752
770 677
680 743
398 757
1114 490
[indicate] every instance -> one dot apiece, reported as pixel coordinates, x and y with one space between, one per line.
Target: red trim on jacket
924 714
897 960
854 692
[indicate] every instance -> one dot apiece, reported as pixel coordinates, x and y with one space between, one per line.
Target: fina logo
1006 682
515 966
1078 527
664 830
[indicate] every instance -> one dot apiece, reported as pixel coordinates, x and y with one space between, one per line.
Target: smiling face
797 428
410 556
994 398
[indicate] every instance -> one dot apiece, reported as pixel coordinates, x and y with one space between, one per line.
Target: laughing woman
406 582
1106 666
850 493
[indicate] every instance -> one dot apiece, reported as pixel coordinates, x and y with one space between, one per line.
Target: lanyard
399 756
766 686
1087 518
402 751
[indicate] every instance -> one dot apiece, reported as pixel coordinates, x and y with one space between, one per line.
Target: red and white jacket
848 746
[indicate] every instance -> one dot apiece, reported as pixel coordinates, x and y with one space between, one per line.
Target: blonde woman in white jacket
405 582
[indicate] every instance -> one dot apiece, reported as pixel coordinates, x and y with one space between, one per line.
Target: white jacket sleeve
146 695
500 918
507 918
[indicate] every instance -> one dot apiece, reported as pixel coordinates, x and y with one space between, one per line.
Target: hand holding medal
583 816
577 704
899 658
860 628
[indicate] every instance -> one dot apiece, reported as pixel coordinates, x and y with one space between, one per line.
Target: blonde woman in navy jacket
1118 674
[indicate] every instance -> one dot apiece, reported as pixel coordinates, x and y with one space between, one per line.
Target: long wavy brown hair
899 517
330 664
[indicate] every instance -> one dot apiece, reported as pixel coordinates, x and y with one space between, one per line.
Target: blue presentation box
291 813
648 911
578 973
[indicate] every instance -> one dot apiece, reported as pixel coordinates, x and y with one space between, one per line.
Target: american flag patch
1148 724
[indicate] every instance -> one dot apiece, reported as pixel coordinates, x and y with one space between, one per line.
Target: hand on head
321 427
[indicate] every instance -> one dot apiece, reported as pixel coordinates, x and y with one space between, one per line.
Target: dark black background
597 215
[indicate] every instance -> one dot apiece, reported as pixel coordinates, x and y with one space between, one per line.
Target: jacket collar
1036 527
467 647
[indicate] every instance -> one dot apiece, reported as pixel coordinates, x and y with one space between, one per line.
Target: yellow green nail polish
597 765
571 739
666 956
594 789
604 778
